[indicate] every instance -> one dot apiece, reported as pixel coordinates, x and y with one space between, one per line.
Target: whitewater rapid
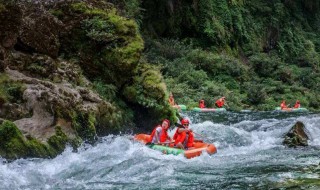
250 156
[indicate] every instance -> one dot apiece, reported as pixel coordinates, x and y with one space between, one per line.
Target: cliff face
70 71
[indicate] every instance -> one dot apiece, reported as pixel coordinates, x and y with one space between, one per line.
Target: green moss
58 13
38 149
58 141
84 125
13 144
149 90
80 7
109 43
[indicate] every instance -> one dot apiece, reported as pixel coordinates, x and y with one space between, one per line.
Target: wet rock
10 22
296 136
40 32
13 111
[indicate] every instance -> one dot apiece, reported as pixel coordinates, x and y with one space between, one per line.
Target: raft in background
182 107
209 109
291 109
199 147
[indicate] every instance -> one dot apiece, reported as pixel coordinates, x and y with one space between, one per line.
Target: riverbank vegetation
256 53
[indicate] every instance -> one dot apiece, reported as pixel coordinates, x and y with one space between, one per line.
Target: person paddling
201 104
297 105
183 137
220 102
283 105
159 134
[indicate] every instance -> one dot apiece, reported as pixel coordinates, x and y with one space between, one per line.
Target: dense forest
256 53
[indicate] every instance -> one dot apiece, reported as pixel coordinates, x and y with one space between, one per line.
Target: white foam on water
119 162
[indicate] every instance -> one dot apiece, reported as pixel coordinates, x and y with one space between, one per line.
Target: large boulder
296 136
39 32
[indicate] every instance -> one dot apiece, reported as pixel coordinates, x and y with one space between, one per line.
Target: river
250 156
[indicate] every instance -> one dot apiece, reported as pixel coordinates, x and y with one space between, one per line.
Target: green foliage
190 72
235 43
264 65
110 45
131 9
149 90
99 29
107 91
256 93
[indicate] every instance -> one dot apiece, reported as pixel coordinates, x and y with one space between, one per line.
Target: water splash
250 156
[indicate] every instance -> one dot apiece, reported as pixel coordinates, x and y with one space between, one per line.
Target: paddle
202 136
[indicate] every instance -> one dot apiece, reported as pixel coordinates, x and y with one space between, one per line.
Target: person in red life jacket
220 102
297 105
283 105
201 104
159 134
183 137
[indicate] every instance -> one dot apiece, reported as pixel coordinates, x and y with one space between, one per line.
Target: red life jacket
283 105
163 134
185 138
219 103
297 105
190 140
179 137
201 105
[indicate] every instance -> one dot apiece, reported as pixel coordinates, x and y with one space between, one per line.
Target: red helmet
184 121
201 101
166 120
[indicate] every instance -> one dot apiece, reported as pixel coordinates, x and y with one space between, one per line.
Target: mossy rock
110 44
296 136
84 125
148 94
58 141
14 145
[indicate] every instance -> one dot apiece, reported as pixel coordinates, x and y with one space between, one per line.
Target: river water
250 156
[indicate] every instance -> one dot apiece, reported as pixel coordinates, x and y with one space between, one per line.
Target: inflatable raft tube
182 107
209 109
196 150
292 109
